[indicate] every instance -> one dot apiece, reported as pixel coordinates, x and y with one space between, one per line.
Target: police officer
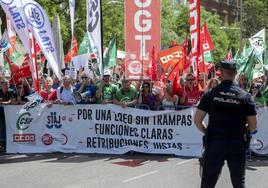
231 113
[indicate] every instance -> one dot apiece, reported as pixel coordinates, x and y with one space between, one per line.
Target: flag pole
102 66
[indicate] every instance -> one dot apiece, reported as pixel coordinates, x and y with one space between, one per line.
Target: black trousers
2 128
219 150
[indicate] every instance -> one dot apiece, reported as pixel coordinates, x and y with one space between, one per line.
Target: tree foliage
174 22
255 14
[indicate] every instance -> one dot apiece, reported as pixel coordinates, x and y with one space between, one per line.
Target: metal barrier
142 106
172 107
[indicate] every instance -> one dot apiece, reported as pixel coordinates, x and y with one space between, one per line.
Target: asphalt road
114 171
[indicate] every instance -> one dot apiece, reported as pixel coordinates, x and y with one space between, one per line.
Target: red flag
11 35
229 56
170 57
195 33
71 53
205 39
175 85
33 63
153 71
18 72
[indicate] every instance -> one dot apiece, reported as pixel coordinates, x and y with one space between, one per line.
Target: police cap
228 64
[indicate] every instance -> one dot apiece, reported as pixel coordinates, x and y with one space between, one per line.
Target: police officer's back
231 111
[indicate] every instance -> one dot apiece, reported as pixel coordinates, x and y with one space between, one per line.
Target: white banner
102 129
111 129
94 27
259 141
14 11
40 25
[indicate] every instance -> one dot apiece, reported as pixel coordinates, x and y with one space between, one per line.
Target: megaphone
81 96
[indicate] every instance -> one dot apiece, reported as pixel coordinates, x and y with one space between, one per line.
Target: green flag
85 47
242 61
266 57
84 53
254 67
110 54
208 57
15 56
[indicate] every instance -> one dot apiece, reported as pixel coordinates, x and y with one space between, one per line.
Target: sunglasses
200 80
145 86
255 87
84 77
189 80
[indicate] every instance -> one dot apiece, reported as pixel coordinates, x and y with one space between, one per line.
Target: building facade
228 10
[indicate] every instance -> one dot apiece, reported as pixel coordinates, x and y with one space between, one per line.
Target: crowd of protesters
111 89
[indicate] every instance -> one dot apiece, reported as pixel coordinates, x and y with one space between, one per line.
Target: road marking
140 176
183 162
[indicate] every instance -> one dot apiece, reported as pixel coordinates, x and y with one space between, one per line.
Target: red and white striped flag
33 63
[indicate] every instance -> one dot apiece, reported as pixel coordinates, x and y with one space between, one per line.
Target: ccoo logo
34 15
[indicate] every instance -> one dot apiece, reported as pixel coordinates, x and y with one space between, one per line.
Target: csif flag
14 11
39 23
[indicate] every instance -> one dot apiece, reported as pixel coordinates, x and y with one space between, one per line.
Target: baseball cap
107 72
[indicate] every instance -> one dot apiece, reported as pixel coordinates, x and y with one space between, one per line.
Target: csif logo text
24 121
34 15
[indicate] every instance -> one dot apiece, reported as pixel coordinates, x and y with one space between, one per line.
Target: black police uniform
227 106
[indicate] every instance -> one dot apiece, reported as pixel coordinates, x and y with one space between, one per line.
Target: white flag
258 41
72 10
94 28
14 10
4 43
38 22
33 103
58 42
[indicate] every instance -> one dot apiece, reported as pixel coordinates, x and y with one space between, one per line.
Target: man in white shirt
65 92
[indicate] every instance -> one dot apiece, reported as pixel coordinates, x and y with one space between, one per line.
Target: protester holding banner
145 95
231 111
86 87
127 95
190 93
65 92
48 93
169 100
20 95
106 90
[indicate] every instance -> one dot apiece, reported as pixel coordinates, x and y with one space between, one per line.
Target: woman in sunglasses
255 91
145 95
190 93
